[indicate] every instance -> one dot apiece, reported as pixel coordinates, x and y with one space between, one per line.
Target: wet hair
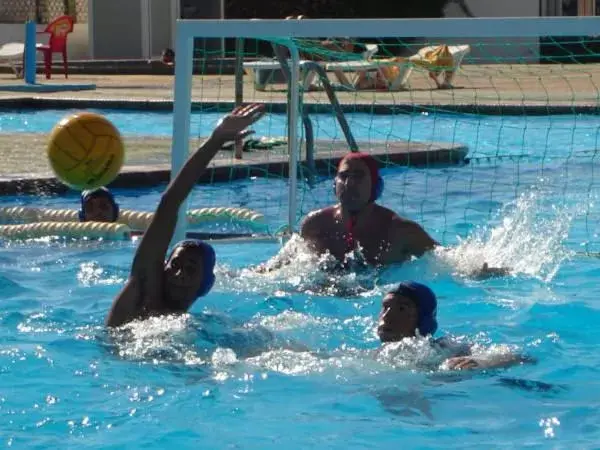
101 192
209 259
425 301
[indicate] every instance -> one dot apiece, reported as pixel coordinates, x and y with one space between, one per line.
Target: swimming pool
543 137
201 381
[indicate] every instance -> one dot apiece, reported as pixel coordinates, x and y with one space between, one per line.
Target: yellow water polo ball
86 151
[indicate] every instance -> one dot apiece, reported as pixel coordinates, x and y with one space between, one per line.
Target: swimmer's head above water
189 273
98 205
168 57
357 182
408 308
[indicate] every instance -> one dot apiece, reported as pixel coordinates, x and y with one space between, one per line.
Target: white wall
514 50
77 41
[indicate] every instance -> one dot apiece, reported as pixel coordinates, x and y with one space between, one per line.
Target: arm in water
144 291
409 239
487 362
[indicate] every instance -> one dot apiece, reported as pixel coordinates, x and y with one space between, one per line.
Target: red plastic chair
57 43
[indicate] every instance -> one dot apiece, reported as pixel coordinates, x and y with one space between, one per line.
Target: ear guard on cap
208 279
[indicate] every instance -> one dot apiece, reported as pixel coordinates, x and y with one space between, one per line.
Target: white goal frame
281 30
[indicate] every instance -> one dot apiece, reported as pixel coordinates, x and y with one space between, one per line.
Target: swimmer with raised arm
411 309
156 286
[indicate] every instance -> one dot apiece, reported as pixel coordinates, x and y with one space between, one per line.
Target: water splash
410 353
91 273
296 268
528 239
158 340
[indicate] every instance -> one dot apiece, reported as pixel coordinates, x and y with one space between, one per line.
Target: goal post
182 106
185 34
496 79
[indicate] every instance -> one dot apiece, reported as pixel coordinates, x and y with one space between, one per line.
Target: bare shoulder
404 224
406 231
317 219
386 216
394 220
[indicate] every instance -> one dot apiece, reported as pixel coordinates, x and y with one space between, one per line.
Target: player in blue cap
410 310
156 286
98 205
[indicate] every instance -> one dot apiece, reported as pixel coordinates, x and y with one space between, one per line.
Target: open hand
233 127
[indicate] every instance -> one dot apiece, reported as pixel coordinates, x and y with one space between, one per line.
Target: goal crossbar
286 31
479 27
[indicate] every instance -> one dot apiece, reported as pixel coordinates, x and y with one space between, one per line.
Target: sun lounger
441 59
12 54
393 73
268 71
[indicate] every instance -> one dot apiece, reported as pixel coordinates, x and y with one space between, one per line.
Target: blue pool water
545 137
220 378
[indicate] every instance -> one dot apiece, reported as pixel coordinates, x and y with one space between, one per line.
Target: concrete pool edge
416 155
313 107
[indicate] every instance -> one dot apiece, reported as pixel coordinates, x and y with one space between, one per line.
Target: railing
306 66
281 52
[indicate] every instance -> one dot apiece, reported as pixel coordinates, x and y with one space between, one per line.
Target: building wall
204 9
495 8
161 26
116 33
514 50
117 28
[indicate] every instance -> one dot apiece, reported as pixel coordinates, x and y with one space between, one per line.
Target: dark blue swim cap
209 259
426 303
100 192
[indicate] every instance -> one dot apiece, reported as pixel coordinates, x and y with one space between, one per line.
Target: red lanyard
350 242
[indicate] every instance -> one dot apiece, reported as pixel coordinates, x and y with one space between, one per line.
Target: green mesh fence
479 123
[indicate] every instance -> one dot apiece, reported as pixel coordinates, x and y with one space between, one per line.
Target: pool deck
485 89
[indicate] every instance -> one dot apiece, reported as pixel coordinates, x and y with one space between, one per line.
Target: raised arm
143 291
153 246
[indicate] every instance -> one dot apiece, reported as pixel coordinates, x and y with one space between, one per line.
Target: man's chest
340 240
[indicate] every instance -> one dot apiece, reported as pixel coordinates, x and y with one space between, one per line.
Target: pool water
543 137
287 359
